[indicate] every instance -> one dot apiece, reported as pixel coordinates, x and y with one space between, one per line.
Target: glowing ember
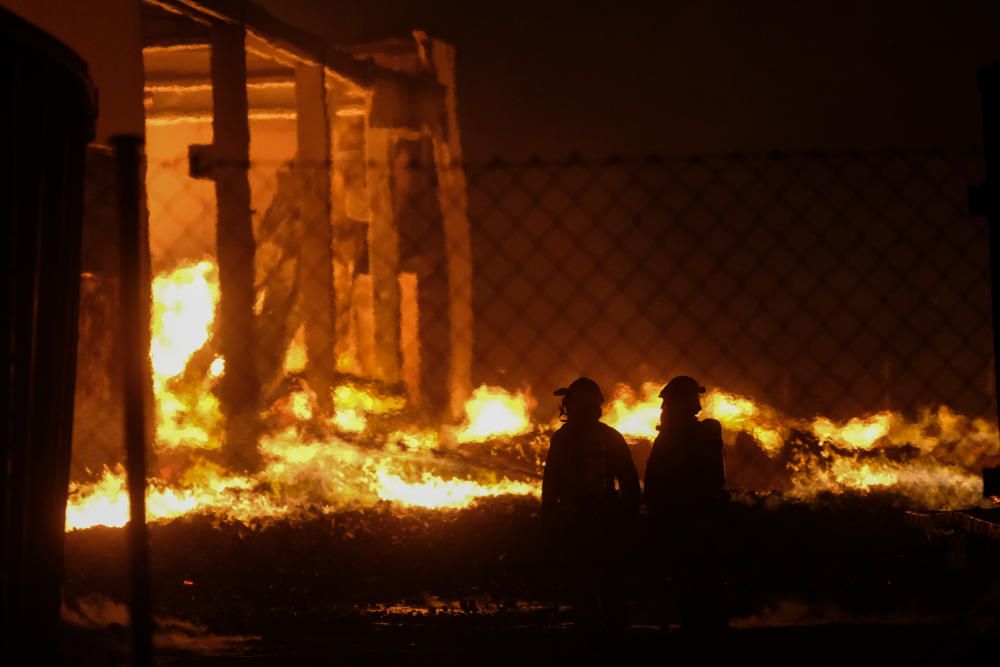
493 412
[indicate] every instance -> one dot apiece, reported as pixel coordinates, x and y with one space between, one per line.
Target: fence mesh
817 283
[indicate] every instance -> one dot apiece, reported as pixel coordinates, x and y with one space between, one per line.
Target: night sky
693 75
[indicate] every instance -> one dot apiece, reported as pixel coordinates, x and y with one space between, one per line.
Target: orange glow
295 356
375 448
635 415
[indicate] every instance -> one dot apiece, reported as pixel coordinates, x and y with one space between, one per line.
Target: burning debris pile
373 448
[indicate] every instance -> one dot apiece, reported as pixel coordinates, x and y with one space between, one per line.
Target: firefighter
686 498
590 499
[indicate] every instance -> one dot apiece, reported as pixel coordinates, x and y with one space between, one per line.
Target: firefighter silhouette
590 498
686 498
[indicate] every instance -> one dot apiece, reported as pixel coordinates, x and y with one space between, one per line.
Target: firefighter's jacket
686 472
590 481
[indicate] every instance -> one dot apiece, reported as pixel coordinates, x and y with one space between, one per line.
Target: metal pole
131 304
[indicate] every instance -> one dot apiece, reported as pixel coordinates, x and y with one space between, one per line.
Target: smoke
97 612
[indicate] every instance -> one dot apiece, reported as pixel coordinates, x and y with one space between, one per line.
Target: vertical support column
316 292
134 338
383 255
239 387
453 202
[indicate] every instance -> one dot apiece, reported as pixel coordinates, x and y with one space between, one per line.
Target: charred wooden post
316 299
239 386
383 255
458 245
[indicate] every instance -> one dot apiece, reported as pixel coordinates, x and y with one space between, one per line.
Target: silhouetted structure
685 479
590 496
47 109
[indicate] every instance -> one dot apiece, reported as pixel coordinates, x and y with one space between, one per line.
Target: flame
353 405
493 412
184 304
857 433
295 356
739 413
300 404
415 440
373 448
434 492
635 415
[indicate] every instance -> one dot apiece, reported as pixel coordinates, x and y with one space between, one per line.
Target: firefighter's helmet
682 385
581 388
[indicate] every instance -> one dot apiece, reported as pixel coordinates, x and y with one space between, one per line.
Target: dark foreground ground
476 641
842 582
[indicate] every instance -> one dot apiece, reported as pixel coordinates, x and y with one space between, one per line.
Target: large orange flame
372 449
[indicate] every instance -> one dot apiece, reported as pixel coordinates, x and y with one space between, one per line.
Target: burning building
279 169
309 271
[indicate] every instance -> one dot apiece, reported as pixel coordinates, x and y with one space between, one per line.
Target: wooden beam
316 258
383 254
453 201
239 387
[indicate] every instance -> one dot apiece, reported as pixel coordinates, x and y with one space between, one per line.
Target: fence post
134 348
985 200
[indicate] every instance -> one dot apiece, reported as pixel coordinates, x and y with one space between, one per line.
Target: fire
353 405
494 412
295 355
857 433
184 305
738 413
374 448
636 416
436 493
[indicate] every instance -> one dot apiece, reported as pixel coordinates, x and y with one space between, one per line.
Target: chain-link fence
818 283
835 284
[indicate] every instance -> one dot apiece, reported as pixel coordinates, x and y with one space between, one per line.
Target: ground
842 581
